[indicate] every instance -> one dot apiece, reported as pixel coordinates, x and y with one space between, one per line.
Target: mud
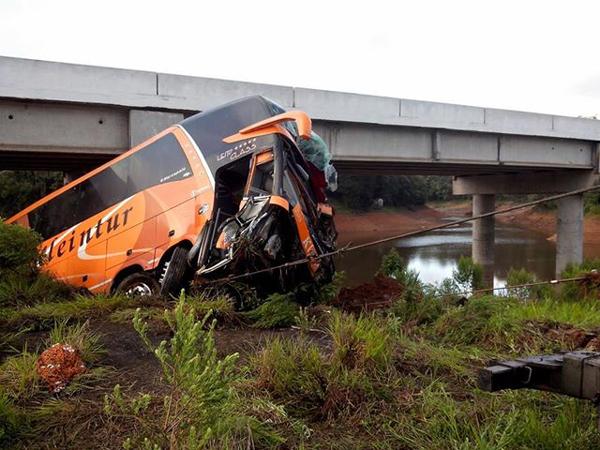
380 293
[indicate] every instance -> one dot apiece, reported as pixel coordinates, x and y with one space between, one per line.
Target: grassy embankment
194 373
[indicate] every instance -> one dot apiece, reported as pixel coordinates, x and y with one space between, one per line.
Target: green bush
279 310
19 251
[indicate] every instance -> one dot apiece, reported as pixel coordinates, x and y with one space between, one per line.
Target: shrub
329 292
279 310
468 275
518 277
394 266
18 249
579 290
198 401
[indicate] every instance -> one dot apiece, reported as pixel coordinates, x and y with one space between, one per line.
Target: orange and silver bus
226 191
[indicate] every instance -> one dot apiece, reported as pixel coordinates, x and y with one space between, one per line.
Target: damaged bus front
270 205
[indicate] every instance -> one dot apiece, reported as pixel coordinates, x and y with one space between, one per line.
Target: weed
305 320
78 336
79 307
468 275
17 290
362 342
18 376
11 420
279 310
521 276
293 371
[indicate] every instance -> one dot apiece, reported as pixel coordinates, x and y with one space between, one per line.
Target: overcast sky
528 55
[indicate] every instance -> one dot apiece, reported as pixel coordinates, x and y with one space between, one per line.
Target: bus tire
174 272
138 284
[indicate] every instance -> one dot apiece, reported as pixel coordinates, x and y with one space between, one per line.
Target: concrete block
577 128
518 122
340 106
32 127
376 143
455 146
441 113
538 151
145 124
199 94
26 78
551 182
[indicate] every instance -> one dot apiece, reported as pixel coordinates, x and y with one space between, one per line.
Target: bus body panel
92 252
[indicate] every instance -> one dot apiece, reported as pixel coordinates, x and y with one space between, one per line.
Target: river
434 255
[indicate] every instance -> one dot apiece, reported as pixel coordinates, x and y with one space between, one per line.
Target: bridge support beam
482 248
569 232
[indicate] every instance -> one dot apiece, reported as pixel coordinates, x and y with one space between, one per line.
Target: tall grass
78 336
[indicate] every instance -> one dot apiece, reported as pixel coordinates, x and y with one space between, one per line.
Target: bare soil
380 293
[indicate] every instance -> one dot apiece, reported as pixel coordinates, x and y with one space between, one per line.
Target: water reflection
436 254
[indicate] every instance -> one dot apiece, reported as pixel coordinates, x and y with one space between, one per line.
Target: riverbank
362 227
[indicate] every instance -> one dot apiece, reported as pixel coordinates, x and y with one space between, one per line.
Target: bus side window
162 161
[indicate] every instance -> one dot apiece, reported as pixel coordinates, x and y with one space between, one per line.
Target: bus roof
210 127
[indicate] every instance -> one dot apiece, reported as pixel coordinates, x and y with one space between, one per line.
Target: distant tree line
21 188
360 192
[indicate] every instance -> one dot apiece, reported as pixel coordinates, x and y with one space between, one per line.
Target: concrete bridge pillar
484 233
569 232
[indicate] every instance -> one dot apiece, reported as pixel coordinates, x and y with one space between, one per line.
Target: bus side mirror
302 120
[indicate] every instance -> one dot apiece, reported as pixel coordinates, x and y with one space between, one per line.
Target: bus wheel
173 272
138 284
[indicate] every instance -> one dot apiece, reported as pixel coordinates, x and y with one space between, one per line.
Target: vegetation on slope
194 373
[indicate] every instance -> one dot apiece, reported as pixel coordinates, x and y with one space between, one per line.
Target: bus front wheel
137 285
174 272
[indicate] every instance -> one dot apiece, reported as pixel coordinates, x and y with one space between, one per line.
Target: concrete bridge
56 116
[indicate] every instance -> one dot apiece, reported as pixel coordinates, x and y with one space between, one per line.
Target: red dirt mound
379 293
58 365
